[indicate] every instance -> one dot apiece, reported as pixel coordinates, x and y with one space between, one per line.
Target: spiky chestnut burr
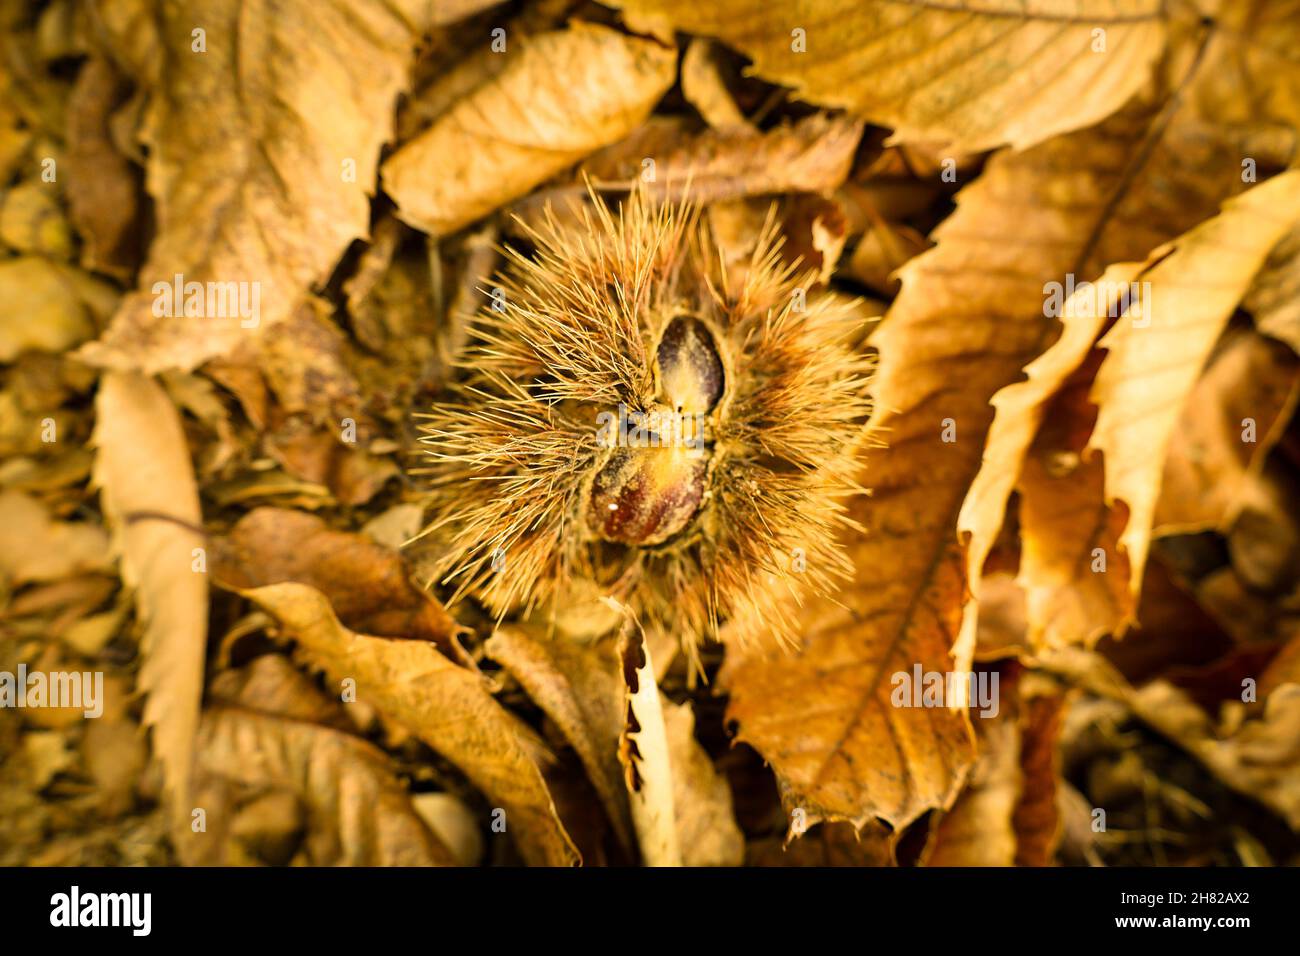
625 417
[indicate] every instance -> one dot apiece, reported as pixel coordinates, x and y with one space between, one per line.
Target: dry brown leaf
1065 600
282 779
974 76
812 155
54 317
104 188
822 716
447 706
1019 410
978 830
1274 298
562 95
706 826
704 85
828 844
1258 757
958 332
1008 815
1072 569
338 795
148 494
578 686
1153 362
1037 819
1232 417
367 584
36 547
1075 577
269 181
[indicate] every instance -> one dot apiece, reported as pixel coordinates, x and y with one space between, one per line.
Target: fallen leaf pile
245 245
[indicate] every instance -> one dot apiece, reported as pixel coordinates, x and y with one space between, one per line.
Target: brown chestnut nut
653 483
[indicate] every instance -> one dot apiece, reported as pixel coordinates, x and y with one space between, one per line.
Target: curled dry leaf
1019 410
149 496
1057 213
1010 73
367 584
1072 569
446 706
562 95
261 190
715 168
1071 596
1155 356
